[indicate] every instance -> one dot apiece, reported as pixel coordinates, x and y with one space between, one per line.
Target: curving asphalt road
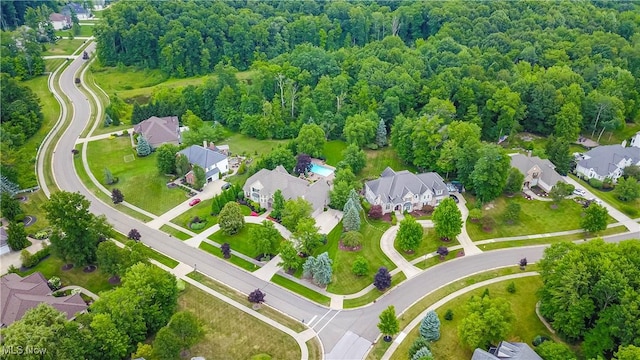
359 325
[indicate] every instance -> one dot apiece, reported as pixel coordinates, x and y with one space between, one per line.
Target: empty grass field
333 151
430 243
231 333
236 260
95 282
536 217
138 177
524 327
253 148
378 160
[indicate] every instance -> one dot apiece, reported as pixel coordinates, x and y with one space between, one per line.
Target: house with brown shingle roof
158 131
21 294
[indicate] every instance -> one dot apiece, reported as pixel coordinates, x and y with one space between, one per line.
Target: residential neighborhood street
354 330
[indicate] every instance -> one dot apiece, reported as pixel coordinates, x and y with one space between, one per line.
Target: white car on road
579 192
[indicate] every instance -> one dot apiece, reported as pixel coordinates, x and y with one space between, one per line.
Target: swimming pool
321 170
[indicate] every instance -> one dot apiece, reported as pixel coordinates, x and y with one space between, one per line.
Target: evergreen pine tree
16 236
143 147
278 205
430 326
353 195
381 134
351 220
322 270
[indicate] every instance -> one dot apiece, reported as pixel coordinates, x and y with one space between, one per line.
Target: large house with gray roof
214 162
261 186
507 351
607 161
537 172
21 294
405 191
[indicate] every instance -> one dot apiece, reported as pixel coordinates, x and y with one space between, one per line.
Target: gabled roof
59 17
507 351
604 159
20 294
524 163
392 186
158 130
292 187
202 157
77 8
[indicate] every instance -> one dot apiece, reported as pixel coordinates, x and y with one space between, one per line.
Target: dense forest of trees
14 12
20 115
545 67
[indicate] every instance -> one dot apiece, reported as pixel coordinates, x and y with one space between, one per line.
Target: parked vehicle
194 202
85 56
226 186
77 80
579 192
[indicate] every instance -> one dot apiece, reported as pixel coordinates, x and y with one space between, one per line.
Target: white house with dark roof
261 186
60 21
405 191
635 140
537 172
159 130
213 162
607 161
79 10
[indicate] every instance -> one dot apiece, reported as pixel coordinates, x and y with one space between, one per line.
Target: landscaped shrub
448 315
198 226
418 344
511 288
125 132
30 260
55 283
375 212
393 219
360 266
475 215
19 217
366 206
41 235
595 183
352 239
428 209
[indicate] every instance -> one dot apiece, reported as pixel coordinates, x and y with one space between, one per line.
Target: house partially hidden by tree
78 9
60 21
607 161
635 140
22 294
159 130
405 191
214 163
536 171
4 246
261 186
506 351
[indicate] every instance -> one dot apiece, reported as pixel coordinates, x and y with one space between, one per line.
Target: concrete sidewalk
269 269
102 136
467 244
386 244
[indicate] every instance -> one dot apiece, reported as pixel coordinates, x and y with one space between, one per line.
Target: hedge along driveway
139 180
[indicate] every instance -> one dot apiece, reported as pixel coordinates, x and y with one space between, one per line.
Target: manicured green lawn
618 136
202 210
253 148
139 180
333 151
51 65
300 289
33 206
231 333
631 208
63 47
95 282
175 232
373 294
344 281
536 217
525 326
23 159
85 31
239 242
238 261
430 243
378 160
550 240
435 260
149 252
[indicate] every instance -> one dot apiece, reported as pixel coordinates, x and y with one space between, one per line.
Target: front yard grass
238 261
63 47
344 281
139 180
231 333
201 210
85 31
631 208
435 260
239 242
148 251
300 289
536 217
378 160
525 326
175 232
95 282
430 243
373 294
333 151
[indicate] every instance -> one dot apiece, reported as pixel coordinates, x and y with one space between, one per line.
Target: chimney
204 144
529 153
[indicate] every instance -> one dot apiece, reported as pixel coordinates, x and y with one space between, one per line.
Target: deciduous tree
515 180
487 321
360 266
134 235
512 213
627 189
289 255
310 140
389 325
166 158
489 175
303 164
447 219
16 236
595 218
278 205
307 236
410 234
199 177
256 296
382 279
560 191
9 206
116 196
265 238
108 342
226 250
231 219
294 211
182 165
355 157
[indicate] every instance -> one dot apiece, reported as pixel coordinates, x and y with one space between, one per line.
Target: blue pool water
321 170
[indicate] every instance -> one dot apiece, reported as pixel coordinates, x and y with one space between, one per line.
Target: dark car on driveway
226 186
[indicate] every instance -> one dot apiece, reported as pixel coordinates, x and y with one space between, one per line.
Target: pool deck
311 176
